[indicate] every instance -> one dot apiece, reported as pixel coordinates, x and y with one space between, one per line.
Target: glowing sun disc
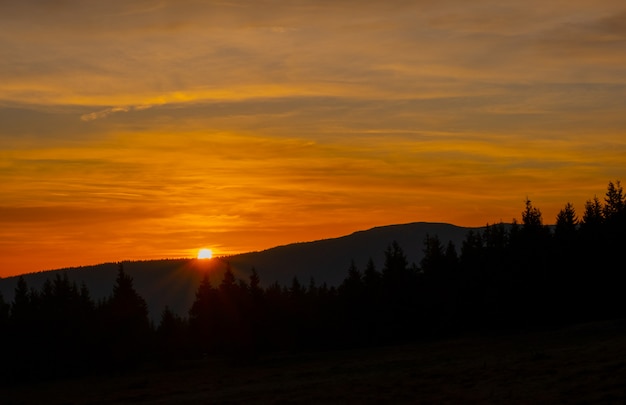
205 254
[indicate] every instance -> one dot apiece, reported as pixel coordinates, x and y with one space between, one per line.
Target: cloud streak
108 111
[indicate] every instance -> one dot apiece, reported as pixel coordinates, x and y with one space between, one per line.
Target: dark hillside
328 260
174 282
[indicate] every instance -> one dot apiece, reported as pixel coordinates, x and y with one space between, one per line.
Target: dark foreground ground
576 364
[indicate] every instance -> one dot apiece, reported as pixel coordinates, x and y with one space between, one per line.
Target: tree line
515 276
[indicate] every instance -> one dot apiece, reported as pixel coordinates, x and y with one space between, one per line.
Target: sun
205 254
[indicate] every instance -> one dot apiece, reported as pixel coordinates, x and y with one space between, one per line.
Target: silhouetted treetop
371 276
593 216
228 283
125 301
255 282
531 217
566 221
21 308
615 201
353 283
434 257
396 263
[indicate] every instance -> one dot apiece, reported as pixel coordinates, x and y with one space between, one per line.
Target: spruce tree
371 277
202 316
433 262
566 223
593 217
171 335
126 322
615 201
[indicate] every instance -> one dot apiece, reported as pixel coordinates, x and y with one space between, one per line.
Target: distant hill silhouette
328 260
173 282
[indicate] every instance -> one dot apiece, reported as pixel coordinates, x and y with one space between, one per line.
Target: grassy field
576 364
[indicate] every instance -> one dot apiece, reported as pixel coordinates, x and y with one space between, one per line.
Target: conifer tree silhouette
230 331
593 217
23 323
615 201
472 251
202 317
566 223
371 278
352 285
228 284
21 308
255 312
65 320
531 217
614 240
433 262
451 257
255 283
171 336
399 297
126 321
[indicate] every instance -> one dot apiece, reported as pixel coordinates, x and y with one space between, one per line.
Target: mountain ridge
173 282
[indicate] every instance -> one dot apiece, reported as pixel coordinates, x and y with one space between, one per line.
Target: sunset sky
150 129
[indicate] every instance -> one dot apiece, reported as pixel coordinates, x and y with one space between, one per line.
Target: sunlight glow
205 254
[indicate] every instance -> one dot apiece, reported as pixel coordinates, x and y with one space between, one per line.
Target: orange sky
150 129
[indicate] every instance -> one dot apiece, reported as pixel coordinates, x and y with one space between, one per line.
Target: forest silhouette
515 276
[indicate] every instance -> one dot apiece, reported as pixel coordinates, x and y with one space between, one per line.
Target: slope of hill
173 282
328 260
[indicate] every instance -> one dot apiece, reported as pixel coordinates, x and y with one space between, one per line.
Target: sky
134 130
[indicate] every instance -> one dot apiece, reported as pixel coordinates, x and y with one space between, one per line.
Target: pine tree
24 324
230 313
433 262
228 284
312 290
168 324
171 335
203 316
398 297
533 235
126 322
372 305
615 201
86 303
22 306
126 303
593 217
531 218
371 276
395 270
451 258
255 281
566 222
472 250
296 291
610 253
353 283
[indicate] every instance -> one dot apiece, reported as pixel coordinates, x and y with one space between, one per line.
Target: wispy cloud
108 111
